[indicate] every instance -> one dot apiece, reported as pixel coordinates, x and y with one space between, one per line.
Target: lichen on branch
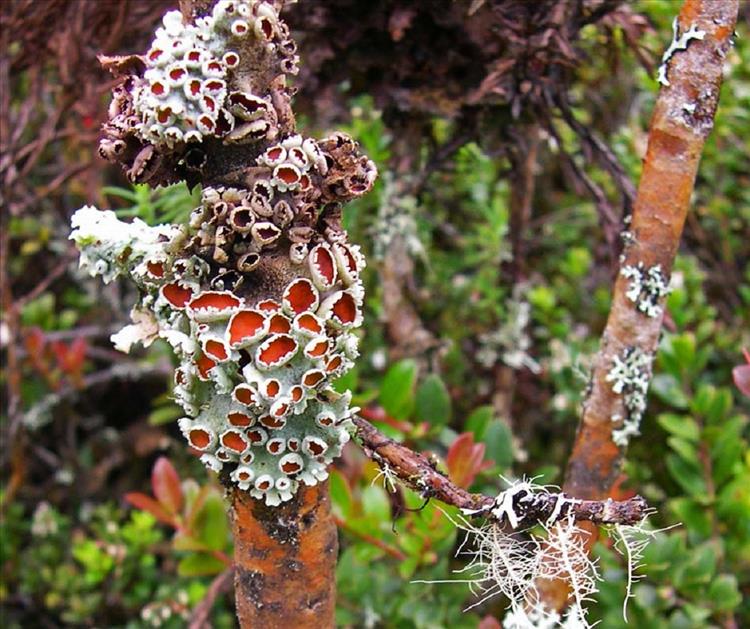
683 117
259 293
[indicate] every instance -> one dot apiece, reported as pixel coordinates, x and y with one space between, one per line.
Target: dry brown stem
420 474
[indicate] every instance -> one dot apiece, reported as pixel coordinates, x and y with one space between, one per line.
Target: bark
682 119
285 560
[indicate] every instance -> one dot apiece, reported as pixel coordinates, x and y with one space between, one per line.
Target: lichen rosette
259 294
200 86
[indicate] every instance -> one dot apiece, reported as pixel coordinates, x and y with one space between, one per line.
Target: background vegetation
496 392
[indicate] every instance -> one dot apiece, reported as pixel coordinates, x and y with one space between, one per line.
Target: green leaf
407 567
720 406
397 389
667 388
723 593
683 447
693 515
576 263
433 403
341 495
680 426
186 542
683 348
699 568
479 420
165 414
199 564
210 525
688 475
542 297
347 382
499 441
375 505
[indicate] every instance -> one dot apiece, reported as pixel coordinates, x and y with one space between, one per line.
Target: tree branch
420 474
682 119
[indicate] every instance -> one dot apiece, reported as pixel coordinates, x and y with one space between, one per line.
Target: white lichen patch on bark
679 42
646 288
630 375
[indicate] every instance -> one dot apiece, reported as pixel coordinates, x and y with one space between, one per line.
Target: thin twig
220 585
419 473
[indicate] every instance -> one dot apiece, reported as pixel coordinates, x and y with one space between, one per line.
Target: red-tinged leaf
76 356
70 357
741 376
34 341
488 622
165 482
466 459
60 350
148 504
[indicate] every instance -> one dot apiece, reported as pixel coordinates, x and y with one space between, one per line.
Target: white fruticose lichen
254 369
679 42
513 564
631 541
630 375
516 563
388 475
510 342
646 288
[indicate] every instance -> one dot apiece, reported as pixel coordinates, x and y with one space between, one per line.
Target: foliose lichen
212 80
647 287
259 294
630 375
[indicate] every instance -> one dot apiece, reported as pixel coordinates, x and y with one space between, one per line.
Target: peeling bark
682 119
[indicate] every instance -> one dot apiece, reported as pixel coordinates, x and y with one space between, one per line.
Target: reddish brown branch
420 474
285 559
682 119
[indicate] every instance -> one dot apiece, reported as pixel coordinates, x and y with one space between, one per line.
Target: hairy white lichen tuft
509 560
515 563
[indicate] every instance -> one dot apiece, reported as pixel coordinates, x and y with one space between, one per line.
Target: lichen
630 375
679 42
647 287
510 341
396 220
259 294
202 81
